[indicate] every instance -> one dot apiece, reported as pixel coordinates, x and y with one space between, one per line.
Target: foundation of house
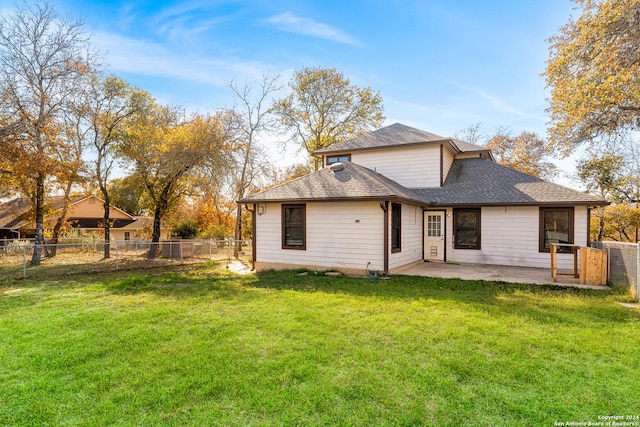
497 273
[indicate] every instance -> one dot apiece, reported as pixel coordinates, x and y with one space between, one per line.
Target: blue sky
440 65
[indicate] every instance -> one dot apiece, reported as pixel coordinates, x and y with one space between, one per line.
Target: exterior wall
91 207
410 237
447 160
510 236
340 235
412 167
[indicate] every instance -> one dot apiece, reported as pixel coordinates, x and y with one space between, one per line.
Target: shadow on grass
541 303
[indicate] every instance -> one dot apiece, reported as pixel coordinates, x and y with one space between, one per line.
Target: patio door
434 227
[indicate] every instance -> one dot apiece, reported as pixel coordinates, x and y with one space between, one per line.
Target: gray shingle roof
466 147
470 182
352 182
15 213
478 181
395 135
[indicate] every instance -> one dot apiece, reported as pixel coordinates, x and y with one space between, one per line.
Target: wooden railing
589 264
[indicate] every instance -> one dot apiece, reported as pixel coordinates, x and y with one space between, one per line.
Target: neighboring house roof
480 182
98 222
14 213
471 182
397 135
351 182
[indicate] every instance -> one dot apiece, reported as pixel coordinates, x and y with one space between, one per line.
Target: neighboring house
400 195
84 214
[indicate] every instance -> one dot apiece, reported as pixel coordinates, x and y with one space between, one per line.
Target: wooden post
554 264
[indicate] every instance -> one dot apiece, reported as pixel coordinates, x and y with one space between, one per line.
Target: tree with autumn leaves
44 62
165 149
593 73
57 109
527 152
325 108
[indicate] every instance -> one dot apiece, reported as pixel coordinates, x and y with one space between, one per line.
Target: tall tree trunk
106 223
60 222
601 227
158 213
238 232
39 217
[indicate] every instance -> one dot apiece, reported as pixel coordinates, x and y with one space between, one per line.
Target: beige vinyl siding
411 238
412 167
338 235
510 236
447 160
93 208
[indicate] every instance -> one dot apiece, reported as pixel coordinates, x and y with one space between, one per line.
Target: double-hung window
466 228
294 227
556 226
396 227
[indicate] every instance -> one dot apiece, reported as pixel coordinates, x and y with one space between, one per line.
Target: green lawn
201 346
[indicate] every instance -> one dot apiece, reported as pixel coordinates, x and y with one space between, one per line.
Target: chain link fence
624 264
87 256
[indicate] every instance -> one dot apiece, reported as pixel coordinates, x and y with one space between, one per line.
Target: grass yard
199 345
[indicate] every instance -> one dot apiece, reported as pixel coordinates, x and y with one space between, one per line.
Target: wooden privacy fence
589 264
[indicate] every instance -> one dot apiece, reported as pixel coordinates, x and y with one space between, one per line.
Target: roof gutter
392 198
551 203
385 207
253 234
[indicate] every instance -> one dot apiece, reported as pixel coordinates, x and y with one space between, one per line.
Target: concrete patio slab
497 273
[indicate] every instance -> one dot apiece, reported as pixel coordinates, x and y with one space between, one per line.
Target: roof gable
397 135
93 207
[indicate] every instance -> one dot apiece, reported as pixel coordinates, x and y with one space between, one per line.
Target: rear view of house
400 195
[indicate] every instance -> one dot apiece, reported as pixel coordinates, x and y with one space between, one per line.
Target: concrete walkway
497 273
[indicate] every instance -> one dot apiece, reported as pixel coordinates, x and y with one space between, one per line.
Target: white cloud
498 103
291 23
152 59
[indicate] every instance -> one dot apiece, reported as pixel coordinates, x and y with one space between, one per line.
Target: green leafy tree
186 228
325 108
600 174
128 194
593 73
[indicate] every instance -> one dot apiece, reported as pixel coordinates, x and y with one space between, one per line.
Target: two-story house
400 195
